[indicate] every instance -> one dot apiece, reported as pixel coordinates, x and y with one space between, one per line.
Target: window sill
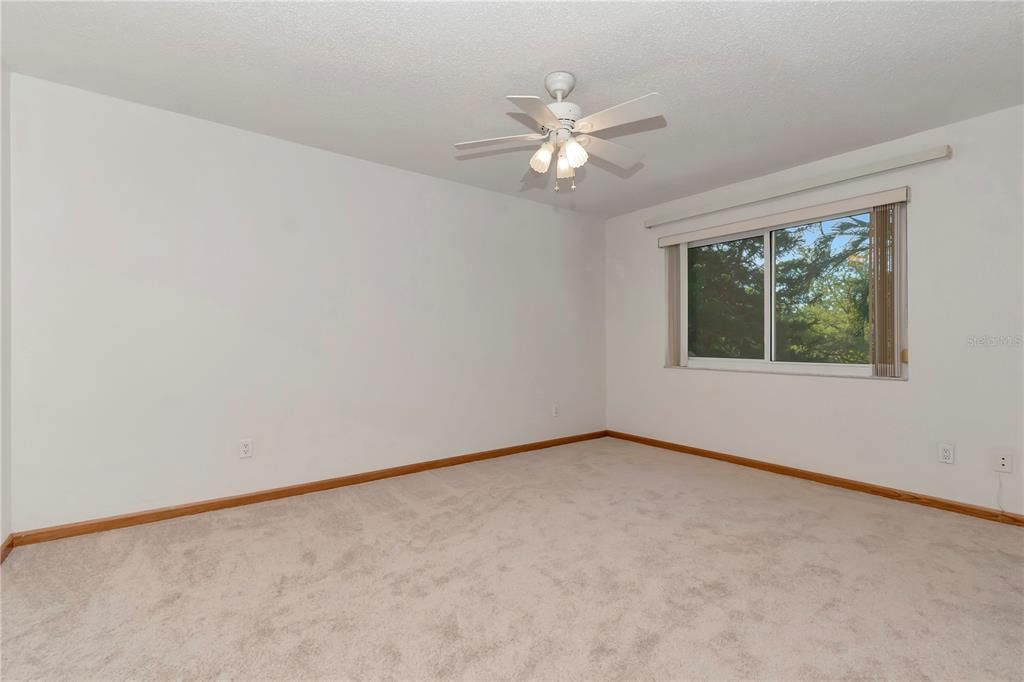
813 369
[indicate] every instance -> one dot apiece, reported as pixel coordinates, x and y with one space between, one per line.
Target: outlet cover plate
1002 462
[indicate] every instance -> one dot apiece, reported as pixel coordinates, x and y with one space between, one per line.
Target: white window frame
677 245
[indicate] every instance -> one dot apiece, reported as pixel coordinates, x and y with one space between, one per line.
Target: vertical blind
885 313
674 280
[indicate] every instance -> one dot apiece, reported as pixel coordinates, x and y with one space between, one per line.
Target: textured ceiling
749 88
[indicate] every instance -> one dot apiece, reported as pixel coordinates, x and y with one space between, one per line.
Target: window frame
677 248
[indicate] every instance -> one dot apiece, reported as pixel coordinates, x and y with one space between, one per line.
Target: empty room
512 341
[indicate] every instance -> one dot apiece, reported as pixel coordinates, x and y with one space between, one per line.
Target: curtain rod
831 178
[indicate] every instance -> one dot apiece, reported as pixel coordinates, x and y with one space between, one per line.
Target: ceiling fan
565 130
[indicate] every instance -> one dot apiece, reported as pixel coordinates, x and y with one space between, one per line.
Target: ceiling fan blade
612 152
536 109
637 109
528 137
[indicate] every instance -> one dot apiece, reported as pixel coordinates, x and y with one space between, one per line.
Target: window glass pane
725 291
821 291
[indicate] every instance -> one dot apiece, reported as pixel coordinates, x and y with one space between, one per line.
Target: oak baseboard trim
29 537
849 484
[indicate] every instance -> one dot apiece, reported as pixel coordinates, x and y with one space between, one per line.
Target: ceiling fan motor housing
566 112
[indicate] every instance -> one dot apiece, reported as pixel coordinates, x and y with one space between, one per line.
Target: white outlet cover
947 454
1002 462
245 448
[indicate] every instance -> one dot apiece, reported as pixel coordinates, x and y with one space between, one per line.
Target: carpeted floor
598 560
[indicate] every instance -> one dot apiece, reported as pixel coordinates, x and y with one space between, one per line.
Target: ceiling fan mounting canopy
565 131
559 84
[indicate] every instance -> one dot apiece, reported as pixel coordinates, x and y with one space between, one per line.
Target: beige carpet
598 560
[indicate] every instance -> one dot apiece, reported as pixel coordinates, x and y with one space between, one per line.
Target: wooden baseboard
29 537
849 484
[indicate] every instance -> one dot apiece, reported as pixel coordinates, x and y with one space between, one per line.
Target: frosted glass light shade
541 159
563 169
575 154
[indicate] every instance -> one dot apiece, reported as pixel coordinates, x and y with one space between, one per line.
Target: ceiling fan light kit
561 125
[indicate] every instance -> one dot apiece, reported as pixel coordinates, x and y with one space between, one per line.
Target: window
820 291
817 290
725 299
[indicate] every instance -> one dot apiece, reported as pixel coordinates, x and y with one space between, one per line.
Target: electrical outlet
1002 462
554 410
245 448
947 453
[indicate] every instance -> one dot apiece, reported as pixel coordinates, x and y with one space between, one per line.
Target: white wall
5 309
178 285
965 279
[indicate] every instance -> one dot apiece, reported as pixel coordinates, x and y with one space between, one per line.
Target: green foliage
725 287
821 291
